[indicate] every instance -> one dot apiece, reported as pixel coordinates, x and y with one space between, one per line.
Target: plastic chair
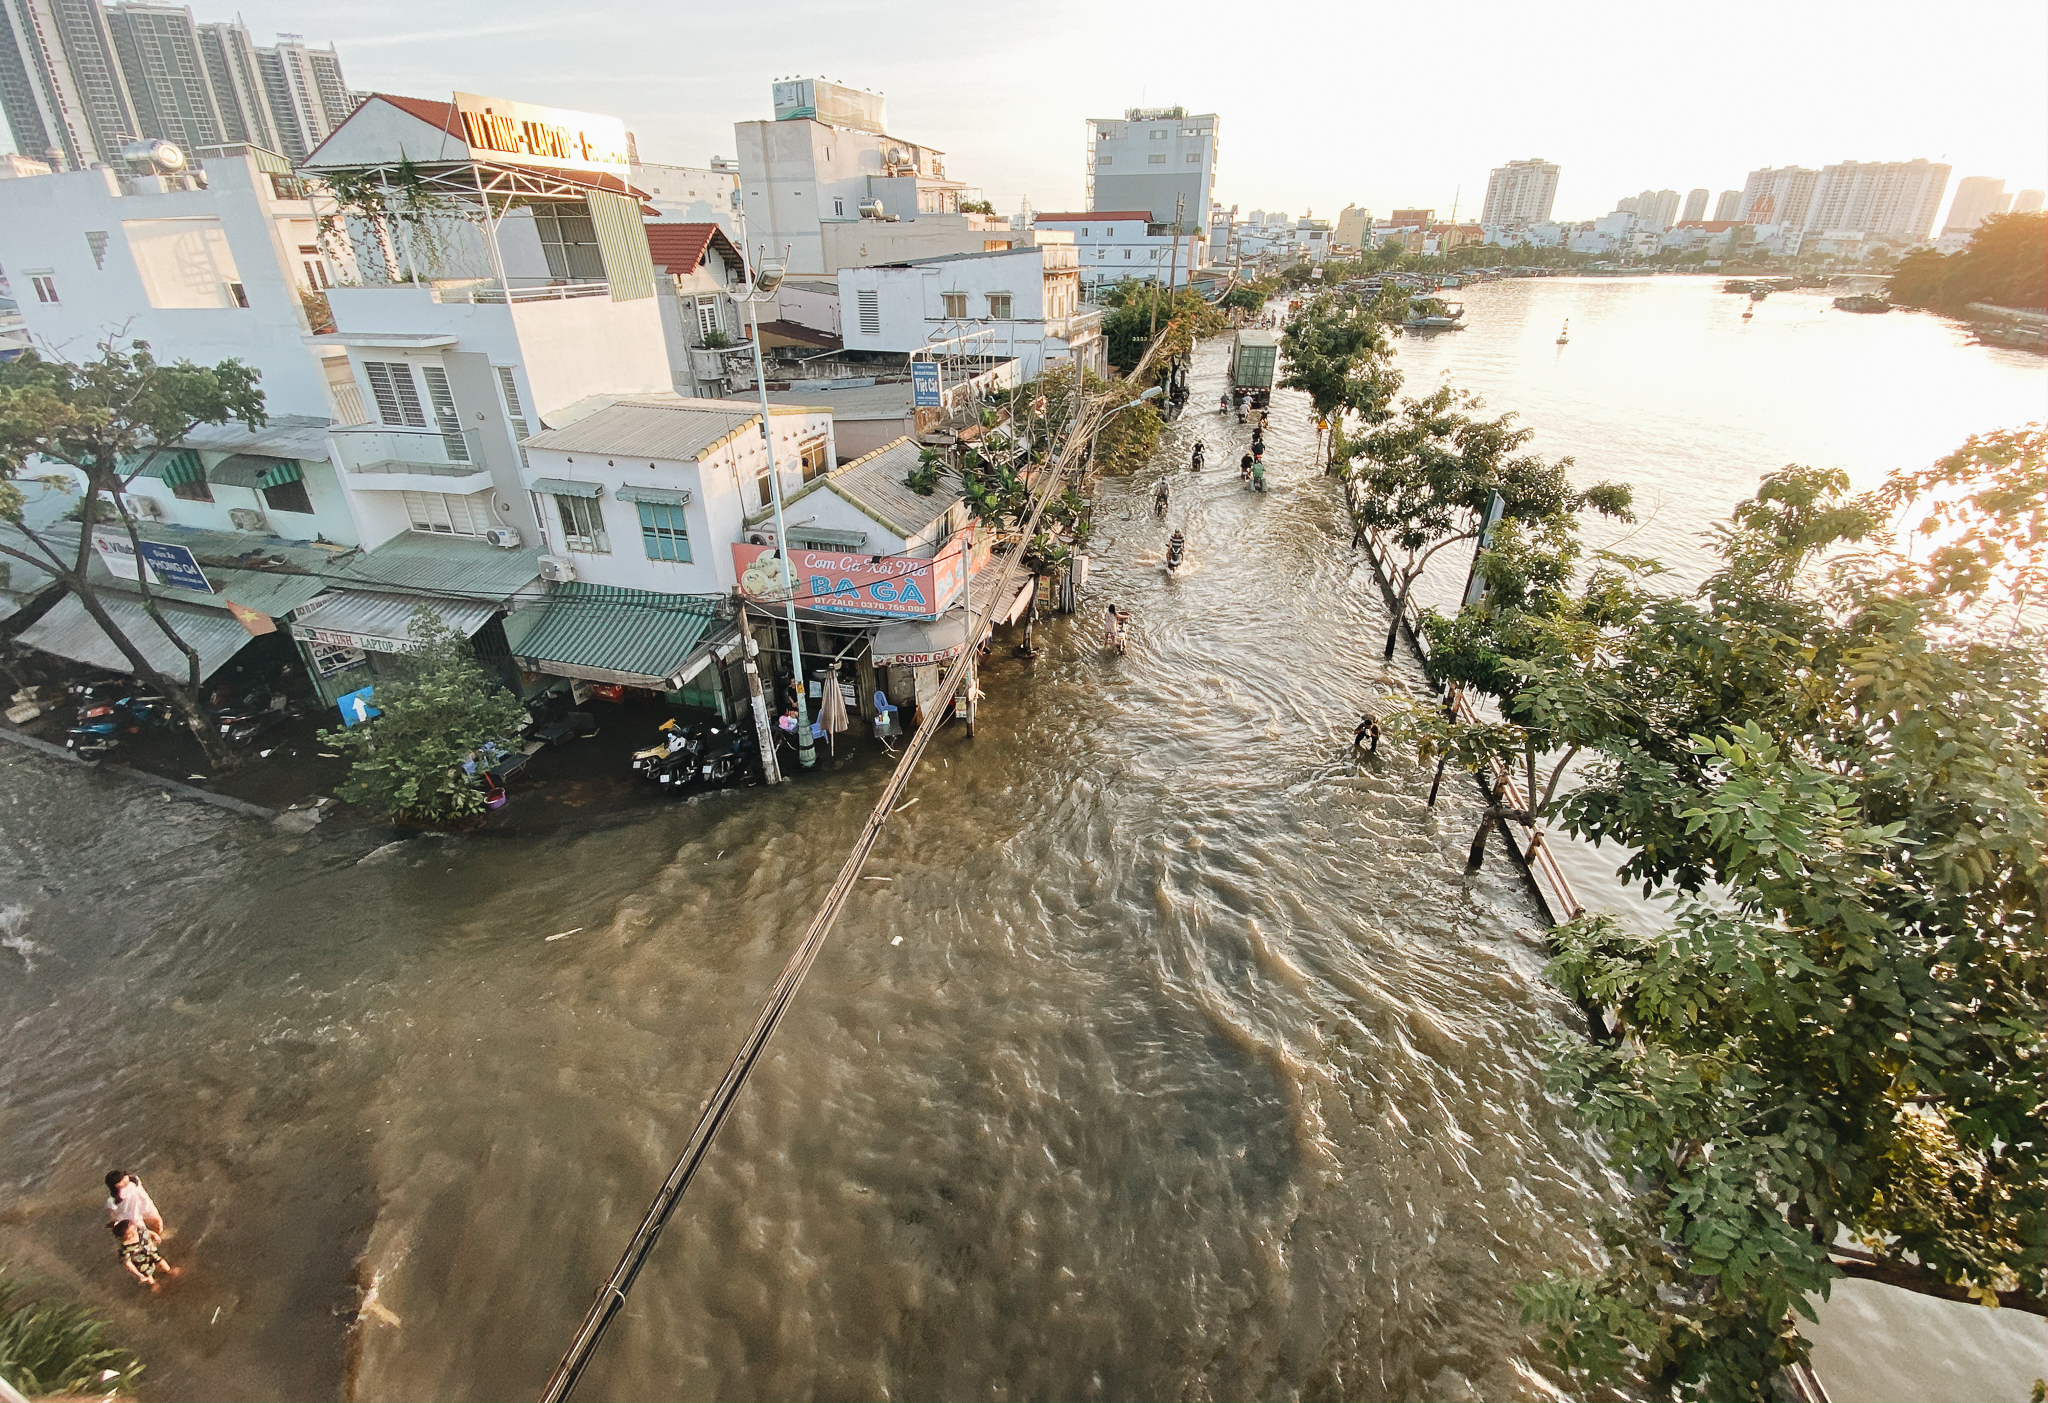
885 714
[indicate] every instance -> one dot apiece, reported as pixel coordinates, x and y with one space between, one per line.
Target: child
139 1253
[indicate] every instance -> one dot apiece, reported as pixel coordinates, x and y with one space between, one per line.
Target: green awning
827 536
254 470
605 633
562 487
176 468
665 496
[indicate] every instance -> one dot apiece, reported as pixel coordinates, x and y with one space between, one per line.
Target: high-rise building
233 74
1520 192
1781 195
1895 198
60 82
158 49
1695 207
1657 209
1978 197
307 96
1729 207
1627 204
2027 202
1157 159
1354 227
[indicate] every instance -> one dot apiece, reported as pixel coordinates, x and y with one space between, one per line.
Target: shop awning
563 487
916 643
635 638
816 536
254 470
175 468
663 496
69 632
382 623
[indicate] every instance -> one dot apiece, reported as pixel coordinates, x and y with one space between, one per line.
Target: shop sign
366 642
175 565
840 582
924 385
553 137
117 553
920 659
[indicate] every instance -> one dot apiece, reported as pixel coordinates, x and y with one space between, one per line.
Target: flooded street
1200 1071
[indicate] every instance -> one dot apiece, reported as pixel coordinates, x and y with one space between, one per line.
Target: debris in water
878 879
264 754
901 807
216 1316
897 941
557 935
328 754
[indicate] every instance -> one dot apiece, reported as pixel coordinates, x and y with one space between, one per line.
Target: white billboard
553 137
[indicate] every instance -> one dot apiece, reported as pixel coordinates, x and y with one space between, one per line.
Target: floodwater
1200 1069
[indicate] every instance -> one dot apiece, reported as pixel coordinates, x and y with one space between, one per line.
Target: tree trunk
1918 1279
188 701
1477 857
1400 604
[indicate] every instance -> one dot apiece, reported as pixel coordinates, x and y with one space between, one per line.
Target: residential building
61 84
234 73
825 180
689 194
1977 198
1019 304
1520 192
1413 218
1160 159
1312 239
13 166
1782 196
159 53
2027 202
1891 199
698 270
1117 244
1690 234
1729 205
1354 228
1657 210
307 96
1223 248
1695 207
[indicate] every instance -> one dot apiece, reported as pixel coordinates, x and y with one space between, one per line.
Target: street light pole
760 283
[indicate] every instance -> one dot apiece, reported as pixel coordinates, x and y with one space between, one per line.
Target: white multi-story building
1021 304
1729 205
1657 210
1159 159
1978 197
1781 195
1893 199
2027 202
1520 192
1117 244
690 194
1695 207
308 98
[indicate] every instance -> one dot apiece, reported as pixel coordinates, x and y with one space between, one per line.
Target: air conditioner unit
145 509
505 537
243 519
761 538
557 570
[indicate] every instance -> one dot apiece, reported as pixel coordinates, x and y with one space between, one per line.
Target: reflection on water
1199 1071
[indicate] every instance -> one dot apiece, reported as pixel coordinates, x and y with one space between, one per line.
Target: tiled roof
428 110
608 633
680 247
875 484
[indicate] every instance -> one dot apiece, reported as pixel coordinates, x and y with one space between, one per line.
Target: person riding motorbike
1159 498
1258 476
1223 403
1175 548
1244 468
1200 450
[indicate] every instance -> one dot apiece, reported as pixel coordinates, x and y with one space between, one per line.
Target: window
96 240
839 207
568 240
955 304
1084 231
445 416
514 411
1105 161
663 532
812 452
1193 157
46 287
238 295
583 525
1155 160
1127 253
445 514
289 497
869 303
999 306
398 400
1160 135
196 490
709 322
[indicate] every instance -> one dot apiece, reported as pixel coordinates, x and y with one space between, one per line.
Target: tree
1835 1066
1422 481
1140 311
408 762
2005 263
111 419
1338 353
976 207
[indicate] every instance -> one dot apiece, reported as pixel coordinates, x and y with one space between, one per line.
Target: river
1200 1069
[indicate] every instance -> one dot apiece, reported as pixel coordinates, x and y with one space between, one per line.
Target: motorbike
249 715
1200 452
724 757
660 750
1174 550
683 752
1159 498
1258 477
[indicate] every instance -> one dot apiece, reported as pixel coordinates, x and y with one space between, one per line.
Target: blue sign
175 565
356 708
924 384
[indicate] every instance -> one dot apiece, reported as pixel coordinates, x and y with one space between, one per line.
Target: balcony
380 458
479 293
1078 327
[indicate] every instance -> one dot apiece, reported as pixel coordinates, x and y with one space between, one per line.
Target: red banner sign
842 582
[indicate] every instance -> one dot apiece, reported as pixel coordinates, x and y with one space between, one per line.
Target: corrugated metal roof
267 593
638 428
457 567
285 436
389 615
69 632
875 485
854 402
610 634
245 469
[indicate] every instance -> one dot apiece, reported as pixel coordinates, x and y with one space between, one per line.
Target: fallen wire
612 1295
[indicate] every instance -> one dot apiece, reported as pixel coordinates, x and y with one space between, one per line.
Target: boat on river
1435 314
1863 302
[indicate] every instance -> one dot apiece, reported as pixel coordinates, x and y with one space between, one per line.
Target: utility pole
764 726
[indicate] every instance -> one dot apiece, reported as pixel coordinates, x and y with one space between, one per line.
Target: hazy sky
1321 104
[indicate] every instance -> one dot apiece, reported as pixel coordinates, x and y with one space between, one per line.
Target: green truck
1253 358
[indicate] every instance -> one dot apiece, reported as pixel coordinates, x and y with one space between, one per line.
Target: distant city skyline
1008 103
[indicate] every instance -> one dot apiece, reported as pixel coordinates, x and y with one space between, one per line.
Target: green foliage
1140 310
1337 351
407 763
716 340
51 1346
976 207
1245 297
2006 263
1848 1039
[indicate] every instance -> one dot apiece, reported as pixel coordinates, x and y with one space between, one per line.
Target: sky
1320 105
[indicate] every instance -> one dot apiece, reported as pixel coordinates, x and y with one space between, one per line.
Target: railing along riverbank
1546 877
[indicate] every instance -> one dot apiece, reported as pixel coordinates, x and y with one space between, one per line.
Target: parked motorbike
660 750
250 714
720 758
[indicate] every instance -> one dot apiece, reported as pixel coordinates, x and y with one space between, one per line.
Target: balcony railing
490 293
373 449
1076 326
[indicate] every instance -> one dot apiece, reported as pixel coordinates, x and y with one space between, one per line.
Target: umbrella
832 707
